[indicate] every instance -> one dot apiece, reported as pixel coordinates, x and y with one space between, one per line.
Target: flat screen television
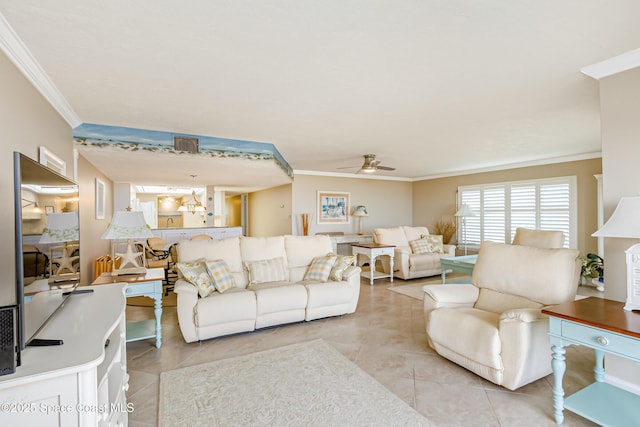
47 260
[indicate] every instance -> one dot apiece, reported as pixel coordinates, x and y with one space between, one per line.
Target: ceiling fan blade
385 168
348 167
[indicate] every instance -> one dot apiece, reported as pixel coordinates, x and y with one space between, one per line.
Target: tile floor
386 338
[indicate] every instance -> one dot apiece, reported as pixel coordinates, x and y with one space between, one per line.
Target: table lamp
62 228
128 225
625 223
360 212
464 212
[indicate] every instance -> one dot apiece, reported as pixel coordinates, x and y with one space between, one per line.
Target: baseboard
623 384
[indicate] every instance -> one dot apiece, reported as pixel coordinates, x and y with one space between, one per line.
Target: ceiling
432 87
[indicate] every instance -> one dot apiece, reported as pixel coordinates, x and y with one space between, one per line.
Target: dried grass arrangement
445 227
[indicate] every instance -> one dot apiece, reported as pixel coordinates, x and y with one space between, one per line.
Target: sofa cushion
227 249
477 340
391 236
413 233
196 273
320 268
260 248
221 275
554 284
301 250
342 263
267 270
428 244
280 298
424 262
234 305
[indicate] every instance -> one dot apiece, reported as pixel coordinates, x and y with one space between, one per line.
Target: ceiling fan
371 165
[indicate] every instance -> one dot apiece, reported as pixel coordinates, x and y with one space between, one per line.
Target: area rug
306 384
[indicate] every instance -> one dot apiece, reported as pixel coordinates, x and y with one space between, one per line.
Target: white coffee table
373 251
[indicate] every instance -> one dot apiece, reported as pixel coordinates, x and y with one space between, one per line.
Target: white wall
27 122
389 203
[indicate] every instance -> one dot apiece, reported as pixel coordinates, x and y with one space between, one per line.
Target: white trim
351 175
541 162
621 383
18 53
52 161
615 65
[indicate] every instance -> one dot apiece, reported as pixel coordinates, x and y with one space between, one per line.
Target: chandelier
196 206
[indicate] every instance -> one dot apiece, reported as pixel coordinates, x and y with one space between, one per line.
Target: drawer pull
602 341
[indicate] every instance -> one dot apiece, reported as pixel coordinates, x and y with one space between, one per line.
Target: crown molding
541 162
351 175
18 53
614 65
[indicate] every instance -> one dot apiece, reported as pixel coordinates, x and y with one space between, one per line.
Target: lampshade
465 211
127 225
624 222
61 227
360 211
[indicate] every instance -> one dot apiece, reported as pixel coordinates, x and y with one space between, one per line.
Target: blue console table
607 328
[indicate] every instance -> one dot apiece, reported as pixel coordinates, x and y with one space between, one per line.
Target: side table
141 285
464 264
606 327
373 251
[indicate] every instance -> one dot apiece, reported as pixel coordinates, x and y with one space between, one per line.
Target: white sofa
494 326
251 306
407 265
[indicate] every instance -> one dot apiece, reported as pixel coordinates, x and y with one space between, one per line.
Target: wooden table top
372 245
151 275
599 312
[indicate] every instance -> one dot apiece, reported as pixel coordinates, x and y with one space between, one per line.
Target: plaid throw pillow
342 262
221 275
320 268
427 245
267 270
196 273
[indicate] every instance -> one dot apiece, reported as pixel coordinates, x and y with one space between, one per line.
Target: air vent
185 143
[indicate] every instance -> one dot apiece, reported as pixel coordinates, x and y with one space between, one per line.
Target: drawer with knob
597 338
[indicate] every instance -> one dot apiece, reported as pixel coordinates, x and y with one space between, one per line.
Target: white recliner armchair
493 326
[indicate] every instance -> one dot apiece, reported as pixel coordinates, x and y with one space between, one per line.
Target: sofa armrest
455 295
351 271
187 301
183 287
449 249
526 315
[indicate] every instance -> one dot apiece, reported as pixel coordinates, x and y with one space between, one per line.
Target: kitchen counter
174 235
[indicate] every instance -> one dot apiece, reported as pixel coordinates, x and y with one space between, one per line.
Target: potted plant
593 267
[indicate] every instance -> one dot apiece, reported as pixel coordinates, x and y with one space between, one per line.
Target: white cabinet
82 382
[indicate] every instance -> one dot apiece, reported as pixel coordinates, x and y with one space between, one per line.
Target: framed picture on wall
333 207
101 198
52 161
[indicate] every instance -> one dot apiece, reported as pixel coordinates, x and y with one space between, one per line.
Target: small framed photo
49 210
101 198
333 207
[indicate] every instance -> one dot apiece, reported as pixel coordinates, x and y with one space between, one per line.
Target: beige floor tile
386 338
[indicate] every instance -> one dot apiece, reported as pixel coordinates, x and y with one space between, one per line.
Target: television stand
41 342
81 383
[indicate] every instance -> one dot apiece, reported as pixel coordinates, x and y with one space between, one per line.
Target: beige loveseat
406 264
251 305
493 326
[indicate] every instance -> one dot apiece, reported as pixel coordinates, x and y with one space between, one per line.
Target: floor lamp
464 212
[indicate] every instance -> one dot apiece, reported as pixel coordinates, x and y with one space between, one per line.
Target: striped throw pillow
221 275
267 270
320 268
196 273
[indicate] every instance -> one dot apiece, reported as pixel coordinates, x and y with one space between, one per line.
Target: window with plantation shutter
500 208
